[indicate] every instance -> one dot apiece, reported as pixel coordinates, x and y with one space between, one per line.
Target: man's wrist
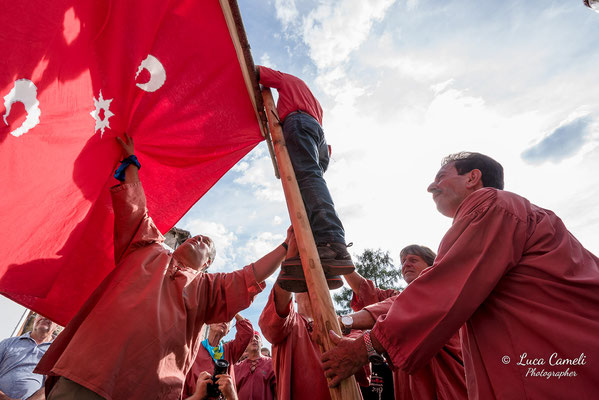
374 356
378 347
347 322
363 353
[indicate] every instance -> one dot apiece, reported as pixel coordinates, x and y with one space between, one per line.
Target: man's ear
475 179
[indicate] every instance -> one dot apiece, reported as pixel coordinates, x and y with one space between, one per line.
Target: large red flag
75 74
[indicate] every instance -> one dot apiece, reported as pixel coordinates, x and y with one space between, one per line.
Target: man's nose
431 187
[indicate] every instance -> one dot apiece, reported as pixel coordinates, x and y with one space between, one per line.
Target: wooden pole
323 312
246 62
18 331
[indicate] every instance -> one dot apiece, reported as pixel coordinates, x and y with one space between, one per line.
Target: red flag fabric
75 74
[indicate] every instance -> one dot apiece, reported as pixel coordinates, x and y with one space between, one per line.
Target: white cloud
265 60
259 176
286 12
241 166
337 28
441 86
401 87
223 241
412 4
259 245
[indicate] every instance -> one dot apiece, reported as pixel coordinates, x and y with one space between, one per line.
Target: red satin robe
137 335
525 294
442 378
232 350
257 384
296 358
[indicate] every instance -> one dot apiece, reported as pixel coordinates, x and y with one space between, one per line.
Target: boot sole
293 280
331 267
296 286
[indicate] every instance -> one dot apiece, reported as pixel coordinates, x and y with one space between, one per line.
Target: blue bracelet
120 171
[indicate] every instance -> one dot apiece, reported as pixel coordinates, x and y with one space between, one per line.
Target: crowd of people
510 297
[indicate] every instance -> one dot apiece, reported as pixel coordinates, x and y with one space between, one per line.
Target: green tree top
376 265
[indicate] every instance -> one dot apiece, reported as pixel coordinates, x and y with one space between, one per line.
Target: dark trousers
309 155
65 389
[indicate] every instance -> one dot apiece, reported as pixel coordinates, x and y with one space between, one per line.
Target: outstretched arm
362 320
354 280
131 173
276 323
244 331
267 265
131 221
282 299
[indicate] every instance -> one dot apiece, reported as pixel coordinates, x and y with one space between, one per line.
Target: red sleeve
484 242
380 308
369 294
270 77
132 225
243 334
274 327
222 295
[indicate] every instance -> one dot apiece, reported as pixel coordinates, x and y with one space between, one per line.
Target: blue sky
402 84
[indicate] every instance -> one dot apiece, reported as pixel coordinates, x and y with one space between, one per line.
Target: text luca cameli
554 360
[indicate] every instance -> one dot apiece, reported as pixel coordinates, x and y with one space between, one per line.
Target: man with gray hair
442 377
138 334
19 356
213 348
521 289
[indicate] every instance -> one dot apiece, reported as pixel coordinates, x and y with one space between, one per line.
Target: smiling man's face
412 266
449 189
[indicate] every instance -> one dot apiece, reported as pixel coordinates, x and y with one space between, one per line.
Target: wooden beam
246 62
323 311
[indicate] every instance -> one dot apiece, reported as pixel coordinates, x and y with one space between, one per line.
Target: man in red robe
138 334
522 289
255 375
213 348
296 357
441 378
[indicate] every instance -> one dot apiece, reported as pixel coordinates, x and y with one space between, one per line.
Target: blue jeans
309 155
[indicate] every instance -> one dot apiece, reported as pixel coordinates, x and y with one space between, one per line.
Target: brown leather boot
336 257
292 277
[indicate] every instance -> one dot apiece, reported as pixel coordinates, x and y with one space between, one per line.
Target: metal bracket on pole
323 311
